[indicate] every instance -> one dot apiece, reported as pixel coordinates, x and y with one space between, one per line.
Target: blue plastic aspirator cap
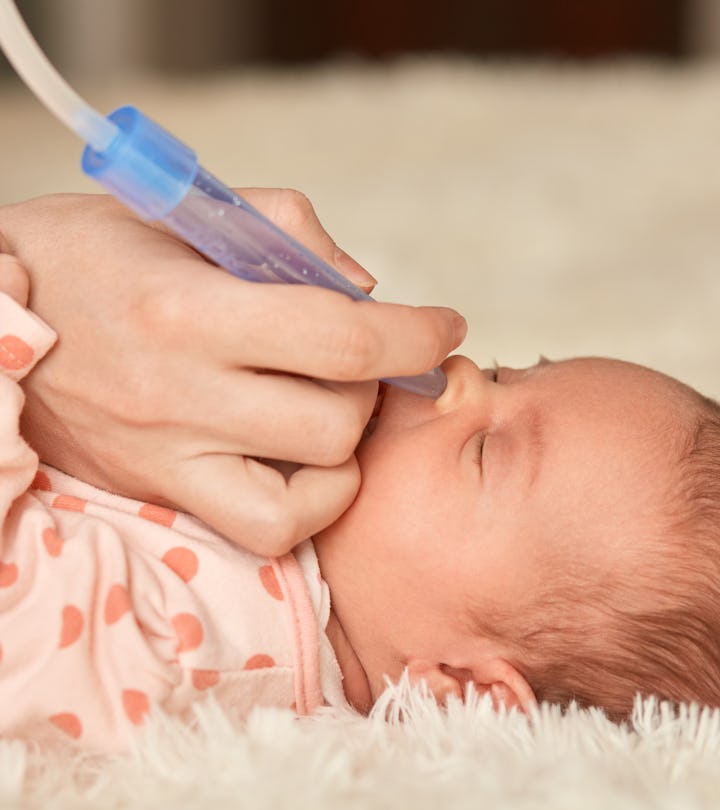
145 166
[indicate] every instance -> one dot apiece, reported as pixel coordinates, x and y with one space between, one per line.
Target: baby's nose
467 384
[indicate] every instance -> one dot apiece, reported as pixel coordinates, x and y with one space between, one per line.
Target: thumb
293 213
256 507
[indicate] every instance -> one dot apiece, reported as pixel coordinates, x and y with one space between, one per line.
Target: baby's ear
441 683
14 279
506 685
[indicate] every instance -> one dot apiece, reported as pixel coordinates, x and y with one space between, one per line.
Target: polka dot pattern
70 503
183 577
72 626
182 561
188 630
41 481
15 353
69 723
8 574
52 541
157 514
192 588
117 603
205 678
136 705
259 661
269 581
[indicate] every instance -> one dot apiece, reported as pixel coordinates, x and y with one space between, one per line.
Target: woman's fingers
171 376
256 506
311 331
293 213
267 415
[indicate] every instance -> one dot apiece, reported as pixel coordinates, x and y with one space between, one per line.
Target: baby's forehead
621 388
608 368
615 435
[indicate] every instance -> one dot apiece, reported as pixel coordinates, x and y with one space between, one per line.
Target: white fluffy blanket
565 211
409 754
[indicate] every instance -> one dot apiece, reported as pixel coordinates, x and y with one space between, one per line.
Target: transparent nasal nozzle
158 176
34 68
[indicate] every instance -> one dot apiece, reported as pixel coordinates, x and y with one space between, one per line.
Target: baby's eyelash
480 438
479 444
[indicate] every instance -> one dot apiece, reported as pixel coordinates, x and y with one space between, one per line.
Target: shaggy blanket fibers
408 754
564 211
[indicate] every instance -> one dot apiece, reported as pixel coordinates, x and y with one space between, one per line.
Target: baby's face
474 498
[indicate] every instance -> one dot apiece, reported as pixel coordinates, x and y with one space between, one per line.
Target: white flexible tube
35 70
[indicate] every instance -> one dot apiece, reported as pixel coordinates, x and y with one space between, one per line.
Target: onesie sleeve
70 626
110 607
24 340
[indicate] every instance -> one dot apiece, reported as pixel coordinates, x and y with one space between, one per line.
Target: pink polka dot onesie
110 607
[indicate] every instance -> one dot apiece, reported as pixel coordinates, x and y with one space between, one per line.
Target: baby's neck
355 680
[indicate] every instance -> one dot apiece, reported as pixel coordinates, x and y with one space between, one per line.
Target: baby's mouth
370 427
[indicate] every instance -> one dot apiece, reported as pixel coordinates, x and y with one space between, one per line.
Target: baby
548 533
544 534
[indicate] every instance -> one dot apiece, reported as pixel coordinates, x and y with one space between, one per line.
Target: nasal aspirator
160 178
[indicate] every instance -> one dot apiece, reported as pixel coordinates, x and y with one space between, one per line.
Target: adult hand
172 379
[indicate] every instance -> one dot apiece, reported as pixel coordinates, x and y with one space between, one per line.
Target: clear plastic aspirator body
160 178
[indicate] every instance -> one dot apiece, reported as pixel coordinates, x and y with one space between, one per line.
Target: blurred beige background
565 207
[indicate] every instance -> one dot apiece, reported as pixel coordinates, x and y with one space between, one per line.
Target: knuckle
340 435
270 526
277 533
351 473
162 313
294 209
297 200
136 404
337 449
354 350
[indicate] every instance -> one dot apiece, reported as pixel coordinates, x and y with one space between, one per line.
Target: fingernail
353 270
460 328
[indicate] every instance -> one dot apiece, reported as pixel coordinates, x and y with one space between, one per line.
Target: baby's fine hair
587 643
